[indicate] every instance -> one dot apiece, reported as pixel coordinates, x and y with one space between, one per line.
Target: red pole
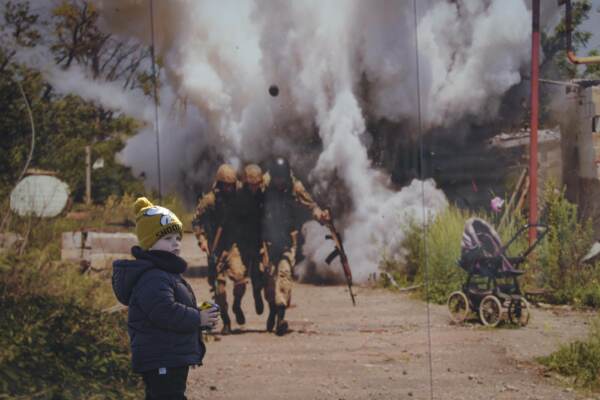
533 138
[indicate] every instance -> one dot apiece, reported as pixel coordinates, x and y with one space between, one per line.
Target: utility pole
155 92
533 137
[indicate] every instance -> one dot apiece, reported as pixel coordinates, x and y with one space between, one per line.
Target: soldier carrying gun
214 225
285 200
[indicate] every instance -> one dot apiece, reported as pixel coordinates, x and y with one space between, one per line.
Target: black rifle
213 260
339 251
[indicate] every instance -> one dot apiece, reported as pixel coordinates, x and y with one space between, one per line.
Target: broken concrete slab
100 249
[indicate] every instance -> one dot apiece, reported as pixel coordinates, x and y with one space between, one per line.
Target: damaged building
569 154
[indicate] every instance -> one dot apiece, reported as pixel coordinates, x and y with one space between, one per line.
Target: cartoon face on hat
153 222
165 214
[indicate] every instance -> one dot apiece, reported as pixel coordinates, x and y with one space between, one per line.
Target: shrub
438 245
579 360
56 342
560 268
558 265
36 274
53 349
567 241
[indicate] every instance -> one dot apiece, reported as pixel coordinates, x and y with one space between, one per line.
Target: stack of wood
517 199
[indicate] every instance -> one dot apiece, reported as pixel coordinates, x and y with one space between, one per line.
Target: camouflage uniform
249 211
216 209
285 208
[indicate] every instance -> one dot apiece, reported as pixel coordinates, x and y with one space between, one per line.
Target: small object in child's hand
206 305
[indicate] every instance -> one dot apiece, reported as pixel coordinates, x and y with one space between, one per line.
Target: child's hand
209 316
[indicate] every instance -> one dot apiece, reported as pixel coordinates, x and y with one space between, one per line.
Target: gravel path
379 350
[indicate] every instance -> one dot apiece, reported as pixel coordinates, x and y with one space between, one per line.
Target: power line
155 90
421 173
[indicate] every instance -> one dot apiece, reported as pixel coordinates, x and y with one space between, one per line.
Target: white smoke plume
475 52
335 63
140 152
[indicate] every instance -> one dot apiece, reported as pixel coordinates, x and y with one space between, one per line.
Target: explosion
257 78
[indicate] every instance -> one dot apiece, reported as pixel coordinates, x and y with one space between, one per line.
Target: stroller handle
544 231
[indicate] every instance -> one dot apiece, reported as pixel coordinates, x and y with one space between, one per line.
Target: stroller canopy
481 249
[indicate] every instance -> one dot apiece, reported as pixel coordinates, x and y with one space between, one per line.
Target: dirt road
379 350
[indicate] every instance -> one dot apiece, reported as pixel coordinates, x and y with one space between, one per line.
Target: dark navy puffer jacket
163 315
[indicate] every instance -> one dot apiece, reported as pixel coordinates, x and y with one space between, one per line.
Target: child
163 317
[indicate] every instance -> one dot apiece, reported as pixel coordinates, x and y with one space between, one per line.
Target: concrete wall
581 153
550 162
100 249
550 153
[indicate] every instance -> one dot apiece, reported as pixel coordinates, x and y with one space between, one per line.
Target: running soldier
249 210
216 231
286 200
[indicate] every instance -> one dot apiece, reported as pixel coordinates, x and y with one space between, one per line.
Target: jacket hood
126 273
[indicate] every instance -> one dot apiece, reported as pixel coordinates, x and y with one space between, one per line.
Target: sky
593 25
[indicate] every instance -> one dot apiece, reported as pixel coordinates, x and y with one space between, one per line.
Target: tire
458 306
490 311
518 312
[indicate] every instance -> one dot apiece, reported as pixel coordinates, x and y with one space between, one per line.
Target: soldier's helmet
280 169
281 174
226 174
253 174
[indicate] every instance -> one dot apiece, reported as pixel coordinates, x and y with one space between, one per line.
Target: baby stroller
491 289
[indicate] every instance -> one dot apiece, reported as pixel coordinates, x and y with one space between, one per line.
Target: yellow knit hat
153 222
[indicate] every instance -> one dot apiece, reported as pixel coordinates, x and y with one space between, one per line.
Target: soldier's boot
238 293
240 318
221 300
258 301
282 325
271 318
226 330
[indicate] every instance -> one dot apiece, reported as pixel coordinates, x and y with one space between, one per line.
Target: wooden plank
508 207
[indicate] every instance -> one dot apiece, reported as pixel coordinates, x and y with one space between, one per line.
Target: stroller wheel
458 305
518 312
490 311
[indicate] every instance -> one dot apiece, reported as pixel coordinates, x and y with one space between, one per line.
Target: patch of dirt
379 350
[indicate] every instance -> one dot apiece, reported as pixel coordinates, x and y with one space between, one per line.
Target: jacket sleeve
304 199
156 298
205 204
